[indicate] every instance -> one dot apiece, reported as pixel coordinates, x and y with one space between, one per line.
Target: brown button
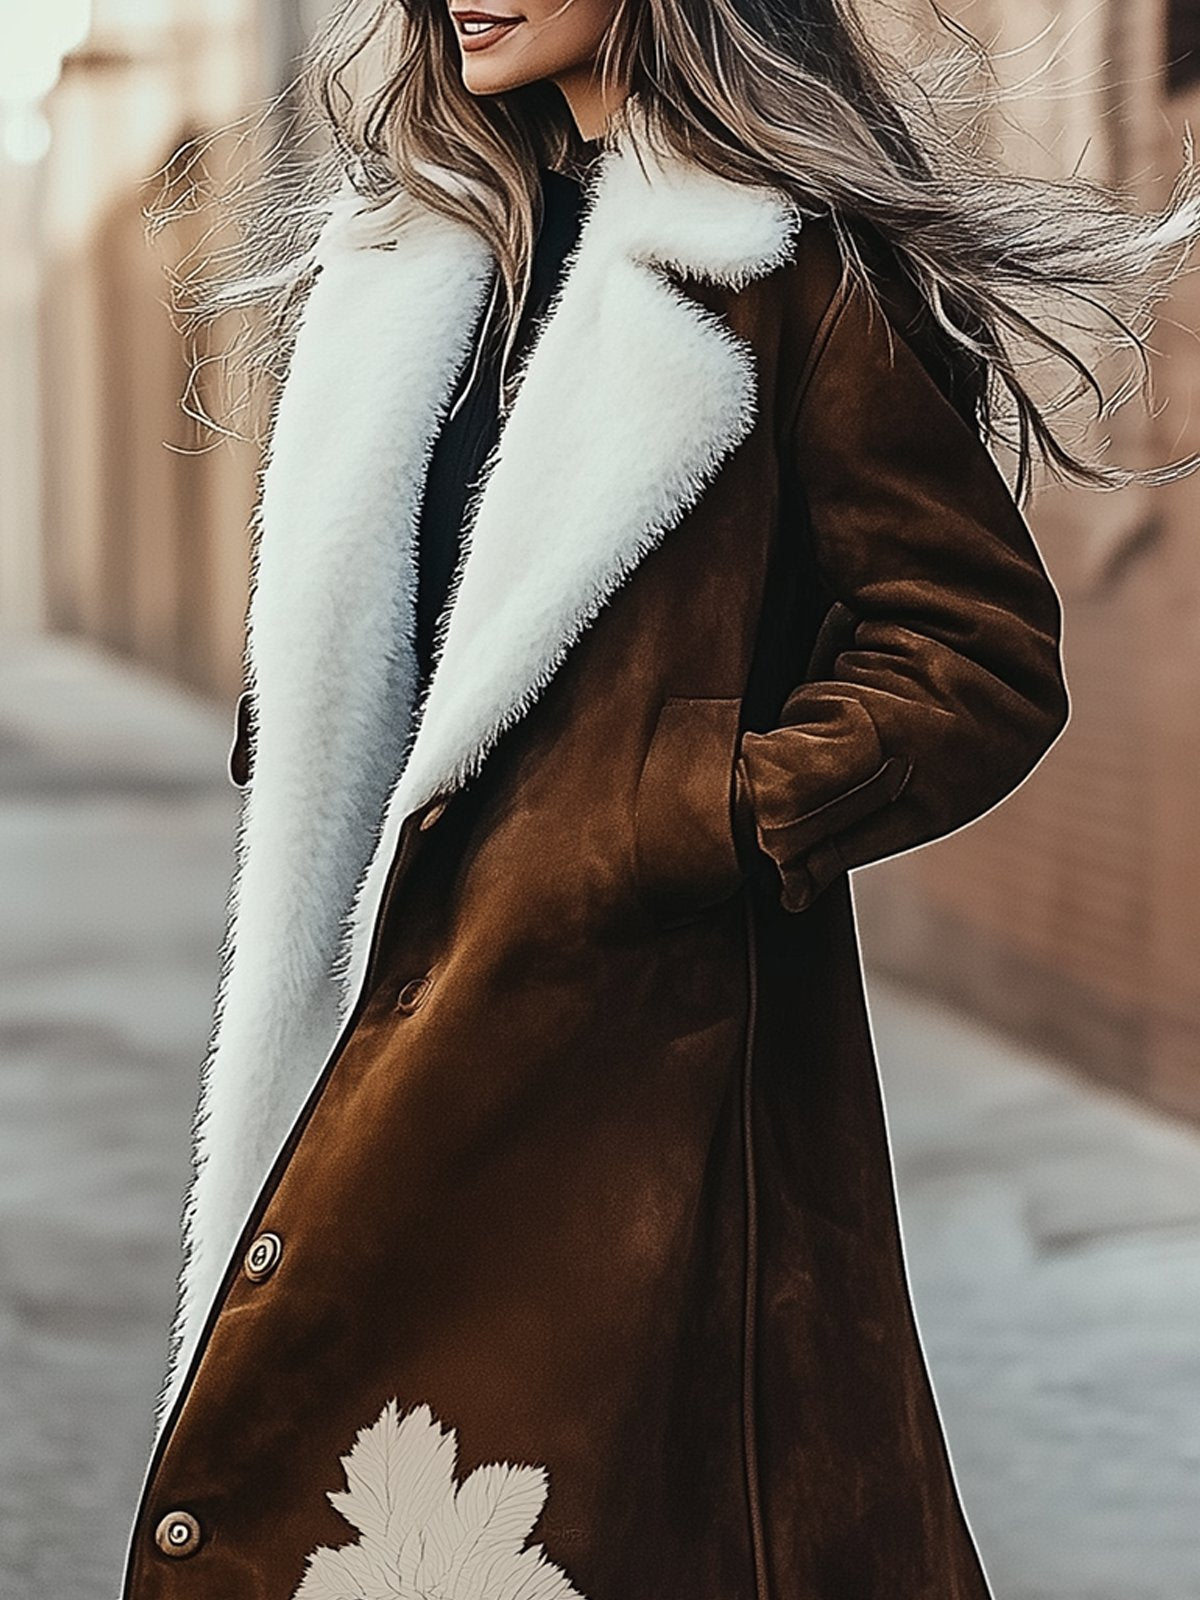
178 1534
432 815
413 992
263 1256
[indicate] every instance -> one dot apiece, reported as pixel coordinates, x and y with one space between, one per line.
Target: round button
411 995
178 1534
263 1256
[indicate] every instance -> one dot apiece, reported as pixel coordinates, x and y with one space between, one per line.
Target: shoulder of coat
818 276
819 291
808 289
816 267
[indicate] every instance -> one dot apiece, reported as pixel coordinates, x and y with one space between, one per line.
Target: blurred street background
1035 979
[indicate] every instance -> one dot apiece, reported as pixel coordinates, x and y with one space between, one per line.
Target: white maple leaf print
426 1537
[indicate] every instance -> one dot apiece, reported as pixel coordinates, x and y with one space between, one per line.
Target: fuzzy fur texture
630 399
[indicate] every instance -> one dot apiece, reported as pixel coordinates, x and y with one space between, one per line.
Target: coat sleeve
942 684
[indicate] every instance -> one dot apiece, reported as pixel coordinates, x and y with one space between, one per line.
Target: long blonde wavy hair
1019 272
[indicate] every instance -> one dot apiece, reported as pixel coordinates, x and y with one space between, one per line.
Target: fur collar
342 752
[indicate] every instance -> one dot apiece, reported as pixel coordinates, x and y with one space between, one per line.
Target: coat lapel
631 398
381 338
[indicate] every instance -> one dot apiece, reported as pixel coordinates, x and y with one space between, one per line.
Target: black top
472 427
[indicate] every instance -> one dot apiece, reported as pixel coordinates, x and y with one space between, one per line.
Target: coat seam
839 301
750 1274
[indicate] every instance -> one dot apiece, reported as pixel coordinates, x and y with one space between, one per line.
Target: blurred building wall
1071 914
142 537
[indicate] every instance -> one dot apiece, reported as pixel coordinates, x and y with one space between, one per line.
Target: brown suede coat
597 1171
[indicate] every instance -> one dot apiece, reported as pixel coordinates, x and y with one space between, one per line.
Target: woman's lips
479 29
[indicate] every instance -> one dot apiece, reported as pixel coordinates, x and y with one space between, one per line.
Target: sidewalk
1052 1230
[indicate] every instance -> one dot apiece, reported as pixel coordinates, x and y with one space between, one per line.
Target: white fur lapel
631 399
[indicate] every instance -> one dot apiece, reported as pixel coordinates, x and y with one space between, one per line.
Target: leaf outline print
422 1535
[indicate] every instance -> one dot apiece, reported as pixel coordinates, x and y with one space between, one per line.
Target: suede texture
612 1192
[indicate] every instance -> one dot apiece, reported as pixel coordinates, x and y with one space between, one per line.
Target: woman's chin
483 76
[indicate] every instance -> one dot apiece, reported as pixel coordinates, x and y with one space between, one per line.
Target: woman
543 1239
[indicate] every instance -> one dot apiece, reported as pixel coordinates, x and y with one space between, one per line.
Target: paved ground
1053 1231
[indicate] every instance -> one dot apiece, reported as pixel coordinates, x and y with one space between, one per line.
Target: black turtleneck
471 430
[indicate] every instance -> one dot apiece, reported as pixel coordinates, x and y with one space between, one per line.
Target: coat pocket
684 846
